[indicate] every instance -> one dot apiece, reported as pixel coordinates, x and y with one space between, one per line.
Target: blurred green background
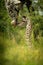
13 50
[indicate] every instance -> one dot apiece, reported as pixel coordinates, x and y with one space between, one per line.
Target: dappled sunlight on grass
10 42
22 53
17 53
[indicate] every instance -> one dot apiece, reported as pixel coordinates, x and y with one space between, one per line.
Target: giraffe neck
28 33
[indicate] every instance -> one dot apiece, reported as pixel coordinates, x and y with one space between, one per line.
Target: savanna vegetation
13 49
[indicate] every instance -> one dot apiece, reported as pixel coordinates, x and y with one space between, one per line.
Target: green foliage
36 31
4 17
13 50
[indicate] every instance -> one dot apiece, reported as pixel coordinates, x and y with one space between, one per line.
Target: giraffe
13 7
28 33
